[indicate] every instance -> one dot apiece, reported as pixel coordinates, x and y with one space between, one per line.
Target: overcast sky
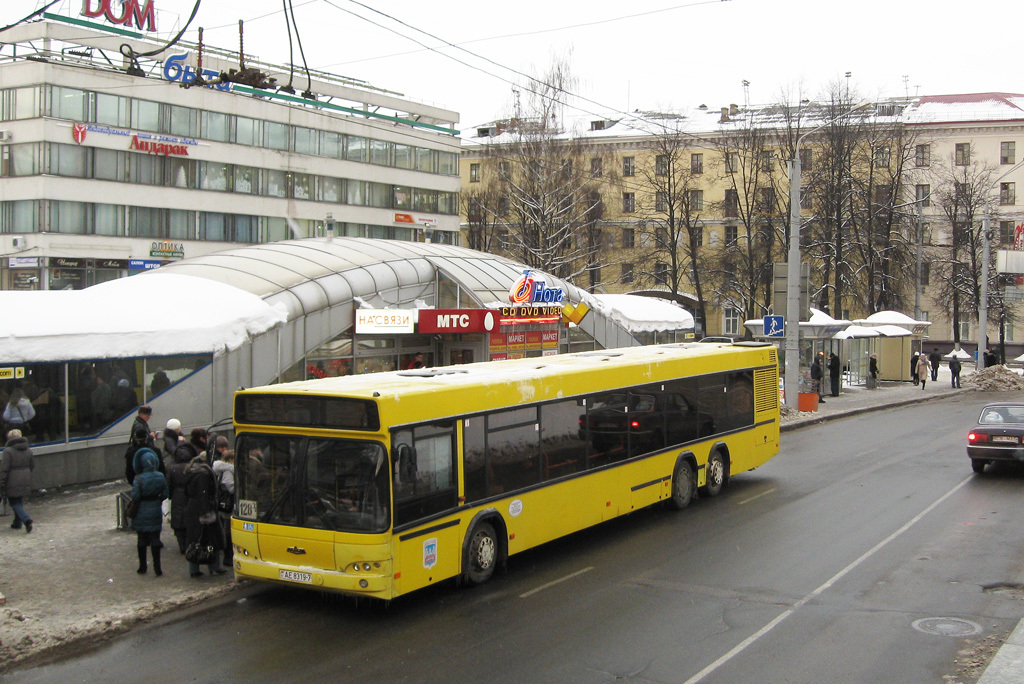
644 54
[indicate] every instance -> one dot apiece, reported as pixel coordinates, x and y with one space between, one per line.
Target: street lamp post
792 371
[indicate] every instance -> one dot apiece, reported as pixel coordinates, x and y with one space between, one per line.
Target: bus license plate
292 576
1004 438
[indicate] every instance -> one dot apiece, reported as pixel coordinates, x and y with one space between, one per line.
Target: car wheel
978 465
682 485
481 554
715 474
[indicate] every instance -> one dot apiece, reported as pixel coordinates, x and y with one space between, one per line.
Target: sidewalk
72 581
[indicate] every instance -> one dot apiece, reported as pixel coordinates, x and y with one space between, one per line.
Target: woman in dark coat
16 466
149 489
201 514
176 481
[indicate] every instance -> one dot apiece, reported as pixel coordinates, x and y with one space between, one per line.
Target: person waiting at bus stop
816 376
834 370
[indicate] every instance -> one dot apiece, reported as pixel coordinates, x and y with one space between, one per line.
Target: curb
1008 664
815 420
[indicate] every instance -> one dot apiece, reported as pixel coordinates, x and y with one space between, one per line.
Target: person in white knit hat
172 437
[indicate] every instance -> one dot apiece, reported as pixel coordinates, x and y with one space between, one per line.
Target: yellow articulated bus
377 485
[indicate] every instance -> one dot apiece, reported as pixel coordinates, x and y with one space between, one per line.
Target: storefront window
380 152
164 371
426 160
275 135
108 219
68 217
43 386
246 228
302 185
356 193
214 175
331 144
276 229
447 203
379 195
148 169
404 156
276 182
181 224
213 227
24 160
26 103
448 163
425 200
355 148
184 121
246 179
182 172
216 126
113 110
332 190
109 165
403 197
145 115
147 222
248 131
69 160
305 140
24 217
68 103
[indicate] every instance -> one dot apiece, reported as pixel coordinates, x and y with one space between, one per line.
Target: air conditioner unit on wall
5 136
19 243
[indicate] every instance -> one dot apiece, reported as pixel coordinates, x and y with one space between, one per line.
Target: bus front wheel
682 485
481 554
715 474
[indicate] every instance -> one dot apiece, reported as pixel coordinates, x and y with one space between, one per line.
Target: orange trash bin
807 401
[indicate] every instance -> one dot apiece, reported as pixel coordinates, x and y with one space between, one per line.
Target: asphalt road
814 568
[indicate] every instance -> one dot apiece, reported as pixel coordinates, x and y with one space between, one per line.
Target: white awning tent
644 314
895 318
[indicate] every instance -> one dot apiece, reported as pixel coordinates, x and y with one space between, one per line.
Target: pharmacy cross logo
78 132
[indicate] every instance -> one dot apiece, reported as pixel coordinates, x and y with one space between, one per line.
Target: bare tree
485 207
961 190
672 209
543 173
740 271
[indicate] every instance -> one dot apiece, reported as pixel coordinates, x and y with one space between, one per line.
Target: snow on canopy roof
643 314
889 318
821 318
892 331
151 314
856 331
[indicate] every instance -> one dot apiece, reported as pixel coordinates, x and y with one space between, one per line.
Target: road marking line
757 496
553 583
740 647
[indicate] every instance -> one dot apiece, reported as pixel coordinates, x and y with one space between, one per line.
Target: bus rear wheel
715 474
481 554
682 485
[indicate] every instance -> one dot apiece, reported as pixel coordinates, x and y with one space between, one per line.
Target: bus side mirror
405 457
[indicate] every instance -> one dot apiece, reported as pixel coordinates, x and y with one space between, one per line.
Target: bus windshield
332 484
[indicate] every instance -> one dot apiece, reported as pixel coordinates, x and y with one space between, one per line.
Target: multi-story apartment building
695 205
108 165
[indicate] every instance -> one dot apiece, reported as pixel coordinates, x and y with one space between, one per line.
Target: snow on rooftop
643 314
151 314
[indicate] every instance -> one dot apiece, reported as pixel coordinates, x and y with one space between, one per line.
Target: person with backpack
177 479
224 469
954 371
204 543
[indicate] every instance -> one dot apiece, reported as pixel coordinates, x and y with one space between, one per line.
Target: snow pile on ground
995 379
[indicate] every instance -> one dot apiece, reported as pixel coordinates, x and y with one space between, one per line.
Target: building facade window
731 320
1007 233
882 156
661 201
926 272
696 163
923 194
1008 152
628 202
732 162
731 235
629 166
962 154
596 167
1007 193
696 200
806 159
767 161
627 273
731 206
628 237
661 165
922 155
661 273
474 173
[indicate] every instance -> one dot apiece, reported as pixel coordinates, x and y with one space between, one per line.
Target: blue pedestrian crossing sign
774 326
